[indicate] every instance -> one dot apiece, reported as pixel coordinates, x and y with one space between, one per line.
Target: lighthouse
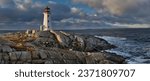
46 20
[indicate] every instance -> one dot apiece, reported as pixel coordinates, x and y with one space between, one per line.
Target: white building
46 20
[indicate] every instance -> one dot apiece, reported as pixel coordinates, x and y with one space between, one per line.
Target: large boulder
69 41
96 44
65 40
46 39
56 48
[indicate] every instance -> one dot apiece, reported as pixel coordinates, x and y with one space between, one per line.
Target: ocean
132 43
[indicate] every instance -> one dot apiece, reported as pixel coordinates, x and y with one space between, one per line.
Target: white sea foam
138 60
127 48
112 39
119 53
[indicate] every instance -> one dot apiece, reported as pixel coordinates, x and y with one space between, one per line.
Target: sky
75 14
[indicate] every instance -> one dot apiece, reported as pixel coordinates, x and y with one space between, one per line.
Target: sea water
132 43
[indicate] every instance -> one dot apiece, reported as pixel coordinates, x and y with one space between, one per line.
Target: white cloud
74 20
30 13
52 2
75 10
23 4
80 21
118 7
130 25
78 11
38 5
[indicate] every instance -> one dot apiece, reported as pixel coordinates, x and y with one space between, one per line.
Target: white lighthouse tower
47 24
46 20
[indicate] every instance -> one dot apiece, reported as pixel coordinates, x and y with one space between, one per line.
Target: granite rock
56 48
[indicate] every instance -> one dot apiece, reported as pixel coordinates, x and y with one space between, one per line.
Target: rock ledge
55 47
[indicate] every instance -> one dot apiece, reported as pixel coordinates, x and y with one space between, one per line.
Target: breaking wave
135 52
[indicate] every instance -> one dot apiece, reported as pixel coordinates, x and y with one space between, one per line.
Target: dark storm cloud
8 14
132 13
26 12
118 7
23 14
30 10
60 11
6 3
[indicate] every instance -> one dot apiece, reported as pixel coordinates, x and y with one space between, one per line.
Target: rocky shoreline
55 47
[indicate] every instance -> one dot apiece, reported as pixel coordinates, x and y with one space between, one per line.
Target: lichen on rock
55 47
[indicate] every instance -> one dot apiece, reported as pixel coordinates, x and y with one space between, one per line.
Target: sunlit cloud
117 7
130 25
23 14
